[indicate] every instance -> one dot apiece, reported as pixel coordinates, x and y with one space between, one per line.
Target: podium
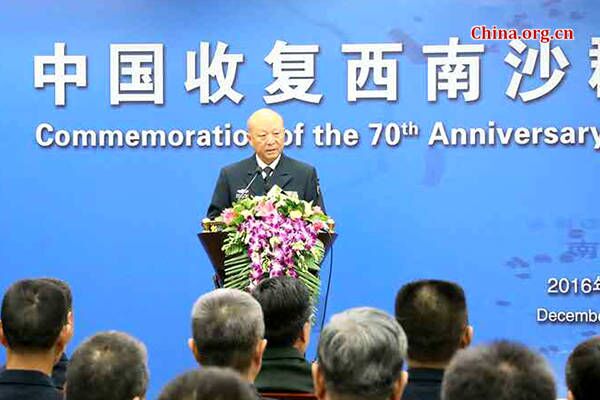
213 242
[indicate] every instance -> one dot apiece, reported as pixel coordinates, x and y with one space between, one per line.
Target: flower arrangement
272 235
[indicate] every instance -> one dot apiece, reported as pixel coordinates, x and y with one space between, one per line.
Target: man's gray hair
361 353
227 324
501 371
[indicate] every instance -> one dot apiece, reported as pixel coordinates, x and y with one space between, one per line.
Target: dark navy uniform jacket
289 174
27 385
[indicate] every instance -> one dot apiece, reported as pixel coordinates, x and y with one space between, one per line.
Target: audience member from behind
35 327
60 368
360 356
228 331
434 316
583 371
500 371
287 309
59 372
210 383
109 365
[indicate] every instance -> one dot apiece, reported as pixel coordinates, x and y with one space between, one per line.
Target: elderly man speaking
268 167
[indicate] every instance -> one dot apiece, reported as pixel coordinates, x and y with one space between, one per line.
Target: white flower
296 214
246 213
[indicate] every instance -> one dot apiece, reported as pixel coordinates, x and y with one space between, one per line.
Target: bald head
262 116
266 134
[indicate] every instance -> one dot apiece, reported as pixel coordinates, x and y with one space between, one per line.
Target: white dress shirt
263 165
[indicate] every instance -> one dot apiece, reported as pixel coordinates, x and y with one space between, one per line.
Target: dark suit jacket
423 384
284 369
289 175
59 372
27 385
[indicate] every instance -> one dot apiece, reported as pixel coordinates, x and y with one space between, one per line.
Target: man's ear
194 349
70 327
2 336
570 395
305 333
65 336
319 382
399 386
467 337
250 138
260 350
304 338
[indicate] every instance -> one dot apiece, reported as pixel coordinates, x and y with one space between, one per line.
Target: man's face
266 135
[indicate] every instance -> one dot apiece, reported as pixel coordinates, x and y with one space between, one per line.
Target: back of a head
583 370
361 353
209 383
500 371
65 288
109 365
227 324
433 314
286 306
34 312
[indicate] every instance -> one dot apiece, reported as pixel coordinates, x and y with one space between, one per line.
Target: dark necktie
267 178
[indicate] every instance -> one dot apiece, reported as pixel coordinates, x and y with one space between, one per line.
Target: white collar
263 165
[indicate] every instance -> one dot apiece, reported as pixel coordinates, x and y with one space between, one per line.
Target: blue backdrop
120 224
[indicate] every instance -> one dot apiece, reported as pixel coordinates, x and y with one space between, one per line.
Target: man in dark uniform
59 371
434 316
35 328
287 308
268 167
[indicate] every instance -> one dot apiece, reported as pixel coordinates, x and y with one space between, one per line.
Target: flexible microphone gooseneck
244 192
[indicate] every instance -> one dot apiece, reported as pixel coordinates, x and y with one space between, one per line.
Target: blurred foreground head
360 357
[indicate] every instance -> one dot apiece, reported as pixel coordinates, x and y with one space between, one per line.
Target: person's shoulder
297 164
243 165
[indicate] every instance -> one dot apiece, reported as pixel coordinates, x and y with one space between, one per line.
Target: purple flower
276 241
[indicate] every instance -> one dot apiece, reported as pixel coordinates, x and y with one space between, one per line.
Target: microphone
243 193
